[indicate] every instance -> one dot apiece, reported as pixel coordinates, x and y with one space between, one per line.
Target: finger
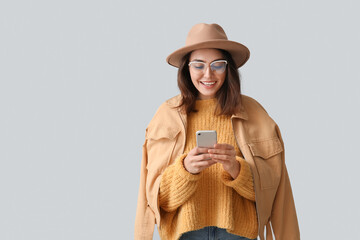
220 157
202 157
199 150
223 146
196 151
220 151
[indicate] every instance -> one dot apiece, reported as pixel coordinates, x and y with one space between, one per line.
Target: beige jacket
259 139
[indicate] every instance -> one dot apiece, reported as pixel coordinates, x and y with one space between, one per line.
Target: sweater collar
241 113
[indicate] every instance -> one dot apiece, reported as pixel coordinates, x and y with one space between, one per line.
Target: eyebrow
199 60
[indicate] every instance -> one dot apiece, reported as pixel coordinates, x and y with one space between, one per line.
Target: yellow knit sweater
211 198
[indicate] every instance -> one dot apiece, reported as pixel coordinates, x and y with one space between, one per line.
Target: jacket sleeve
145 218
283 218
177 185
243 184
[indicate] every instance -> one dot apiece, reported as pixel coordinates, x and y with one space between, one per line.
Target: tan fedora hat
204 35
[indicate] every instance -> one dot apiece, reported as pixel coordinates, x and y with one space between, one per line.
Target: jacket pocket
267 157
160 145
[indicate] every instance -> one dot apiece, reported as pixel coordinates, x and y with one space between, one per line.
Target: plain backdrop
80 81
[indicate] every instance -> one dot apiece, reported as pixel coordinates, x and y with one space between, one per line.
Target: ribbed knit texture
211 198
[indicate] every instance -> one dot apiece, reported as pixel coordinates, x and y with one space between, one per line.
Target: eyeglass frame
213 70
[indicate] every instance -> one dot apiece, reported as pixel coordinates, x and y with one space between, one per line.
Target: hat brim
239 52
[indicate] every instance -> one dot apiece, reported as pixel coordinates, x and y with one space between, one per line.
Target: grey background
80 81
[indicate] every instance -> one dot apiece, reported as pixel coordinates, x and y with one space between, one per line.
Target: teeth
208 83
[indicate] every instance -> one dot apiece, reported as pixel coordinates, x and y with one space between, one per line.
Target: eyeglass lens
218 66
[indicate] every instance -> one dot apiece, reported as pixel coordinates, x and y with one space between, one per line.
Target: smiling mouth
208 83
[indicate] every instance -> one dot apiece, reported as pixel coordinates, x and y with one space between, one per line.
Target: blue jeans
211 233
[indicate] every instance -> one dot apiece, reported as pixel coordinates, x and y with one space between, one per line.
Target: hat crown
204 35
203 32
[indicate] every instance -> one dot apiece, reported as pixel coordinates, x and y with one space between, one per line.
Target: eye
198 65
218 65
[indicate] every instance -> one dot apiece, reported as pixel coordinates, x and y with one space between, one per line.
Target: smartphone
206 138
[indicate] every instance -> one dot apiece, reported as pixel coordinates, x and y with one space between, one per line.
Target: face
207 82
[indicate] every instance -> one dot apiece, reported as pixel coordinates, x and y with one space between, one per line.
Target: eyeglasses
217 66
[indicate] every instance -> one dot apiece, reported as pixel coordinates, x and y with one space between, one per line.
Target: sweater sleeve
177 185
243 184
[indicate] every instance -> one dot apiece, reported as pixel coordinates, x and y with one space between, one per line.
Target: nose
208 72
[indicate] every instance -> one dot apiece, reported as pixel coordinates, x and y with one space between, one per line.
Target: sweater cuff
179 163
243 183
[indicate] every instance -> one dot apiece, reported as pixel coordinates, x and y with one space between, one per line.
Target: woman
232 190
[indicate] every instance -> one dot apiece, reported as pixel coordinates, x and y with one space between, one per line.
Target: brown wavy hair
228 96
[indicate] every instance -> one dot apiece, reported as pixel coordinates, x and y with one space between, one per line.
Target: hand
226 155
197 160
